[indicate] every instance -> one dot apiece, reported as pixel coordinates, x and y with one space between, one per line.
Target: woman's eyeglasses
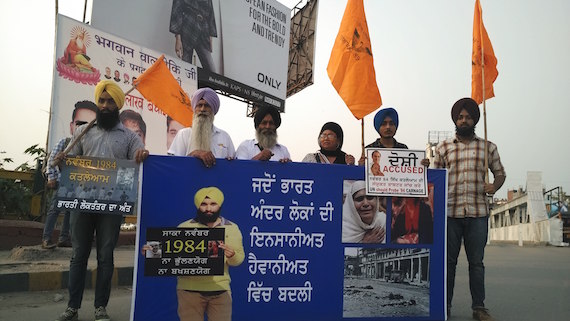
329 136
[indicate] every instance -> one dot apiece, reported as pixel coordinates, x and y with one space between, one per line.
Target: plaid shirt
52 170
466 166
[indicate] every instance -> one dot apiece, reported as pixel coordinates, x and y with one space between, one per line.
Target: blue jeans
51 218
473 231
106 228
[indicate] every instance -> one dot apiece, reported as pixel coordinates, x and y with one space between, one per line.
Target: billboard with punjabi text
86 55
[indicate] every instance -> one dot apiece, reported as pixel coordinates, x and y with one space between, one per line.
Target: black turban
334 127
469 105
264 110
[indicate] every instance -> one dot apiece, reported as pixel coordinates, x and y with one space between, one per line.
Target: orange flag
351 67
158 86
483 59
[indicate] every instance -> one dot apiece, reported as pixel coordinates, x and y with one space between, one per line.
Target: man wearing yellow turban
109 139
110 89
210 295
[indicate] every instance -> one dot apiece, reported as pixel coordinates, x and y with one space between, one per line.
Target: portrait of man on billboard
193 23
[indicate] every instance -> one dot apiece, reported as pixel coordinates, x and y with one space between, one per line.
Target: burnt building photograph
386 282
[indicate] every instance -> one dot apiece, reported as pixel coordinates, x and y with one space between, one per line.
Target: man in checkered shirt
83 113
467 210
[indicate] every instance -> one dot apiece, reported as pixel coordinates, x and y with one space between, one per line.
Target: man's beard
108 119
466 131
201 137
266 139
205 218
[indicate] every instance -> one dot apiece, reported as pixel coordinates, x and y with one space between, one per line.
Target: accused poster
396 172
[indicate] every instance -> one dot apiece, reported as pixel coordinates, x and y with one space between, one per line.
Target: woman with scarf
363 220
330 143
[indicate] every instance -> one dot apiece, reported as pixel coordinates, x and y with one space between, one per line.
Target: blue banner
296 265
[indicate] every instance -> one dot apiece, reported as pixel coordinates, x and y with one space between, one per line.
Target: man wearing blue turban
386 123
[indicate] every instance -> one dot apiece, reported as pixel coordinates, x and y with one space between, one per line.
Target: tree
15 194
5 160
39 155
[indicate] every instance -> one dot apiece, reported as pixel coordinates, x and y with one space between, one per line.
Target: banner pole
54 59
74 142
129 91
362 135
483 92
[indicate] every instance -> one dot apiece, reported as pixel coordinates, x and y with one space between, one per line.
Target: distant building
351 265
434 138
524 217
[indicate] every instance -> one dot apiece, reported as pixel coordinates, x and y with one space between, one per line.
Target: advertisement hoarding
241 47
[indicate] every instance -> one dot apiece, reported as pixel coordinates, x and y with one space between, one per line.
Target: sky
422 59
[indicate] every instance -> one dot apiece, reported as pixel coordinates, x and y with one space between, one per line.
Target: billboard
302 47
241 47
86 55
286 257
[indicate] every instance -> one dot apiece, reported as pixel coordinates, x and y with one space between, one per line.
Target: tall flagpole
483 91
362 136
